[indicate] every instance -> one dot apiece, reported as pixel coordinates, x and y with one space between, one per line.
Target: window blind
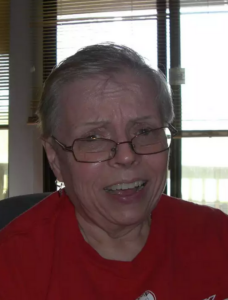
195 3
68 25
66 7
4 62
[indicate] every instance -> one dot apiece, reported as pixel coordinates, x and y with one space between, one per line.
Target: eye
92 137
144 131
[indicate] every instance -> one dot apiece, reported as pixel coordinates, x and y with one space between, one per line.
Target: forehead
116 98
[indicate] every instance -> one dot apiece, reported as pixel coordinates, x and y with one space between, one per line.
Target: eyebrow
95 123
103 123
145 118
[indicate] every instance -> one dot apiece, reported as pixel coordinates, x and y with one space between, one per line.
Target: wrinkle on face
122 97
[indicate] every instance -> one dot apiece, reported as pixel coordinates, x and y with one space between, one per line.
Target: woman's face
116 108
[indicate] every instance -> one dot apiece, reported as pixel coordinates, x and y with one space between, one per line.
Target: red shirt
43 256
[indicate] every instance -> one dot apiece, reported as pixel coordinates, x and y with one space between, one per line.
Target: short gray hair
100 59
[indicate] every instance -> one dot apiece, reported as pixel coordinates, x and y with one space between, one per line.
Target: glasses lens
153 141
93 150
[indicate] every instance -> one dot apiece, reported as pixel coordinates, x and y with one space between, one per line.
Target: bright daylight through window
4 95
204 96
3 164
4 103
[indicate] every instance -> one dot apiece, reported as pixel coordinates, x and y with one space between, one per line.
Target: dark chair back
13 207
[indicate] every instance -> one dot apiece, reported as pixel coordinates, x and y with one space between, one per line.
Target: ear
53 159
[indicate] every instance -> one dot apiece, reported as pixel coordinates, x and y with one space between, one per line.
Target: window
204 105
3 163
4 96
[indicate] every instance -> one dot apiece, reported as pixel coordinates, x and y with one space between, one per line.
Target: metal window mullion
175 57
162 36
162 40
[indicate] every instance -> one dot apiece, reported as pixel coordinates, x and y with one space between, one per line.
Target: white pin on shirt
148 295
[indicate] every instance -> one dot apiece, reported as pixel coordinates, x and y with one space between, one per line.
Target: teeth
125 186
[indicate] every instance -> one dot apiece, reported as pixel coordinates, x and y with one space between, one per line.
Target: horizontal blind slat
76 7
4 61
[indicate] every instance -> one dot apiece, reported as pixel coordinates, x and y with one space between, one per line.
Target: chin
131 218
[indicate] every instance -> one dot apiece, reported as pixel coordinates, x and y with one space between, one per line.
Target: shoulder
185 209
26 249
42 213
198 222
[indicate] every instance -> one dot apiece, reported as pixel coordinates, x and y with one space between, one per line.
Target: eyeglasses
92 149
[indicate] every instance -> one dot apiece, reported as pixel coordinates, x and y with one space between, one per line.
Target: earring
59 186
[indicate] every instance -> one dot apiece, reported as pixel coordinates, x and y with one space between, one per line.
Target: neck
122 243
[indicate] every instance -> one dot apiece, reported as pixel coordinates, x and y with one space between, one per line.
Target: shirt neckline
153 248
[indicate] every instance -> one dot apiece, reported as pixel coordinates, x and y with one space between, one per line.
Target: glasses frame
172 129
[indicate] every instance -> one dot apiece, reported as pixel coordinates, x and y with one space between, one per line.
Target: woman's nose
125 156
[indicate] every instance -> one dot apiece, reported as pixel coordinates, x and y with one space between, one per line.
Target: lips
126 186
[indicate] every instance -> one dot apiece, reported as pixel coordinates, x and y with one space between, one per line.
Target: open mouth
137 186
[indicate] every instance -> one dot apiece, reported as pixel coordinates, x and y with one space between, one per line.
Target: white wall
25 151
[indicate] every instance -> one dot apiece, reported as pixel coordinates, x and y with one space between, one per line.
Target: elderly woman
110 233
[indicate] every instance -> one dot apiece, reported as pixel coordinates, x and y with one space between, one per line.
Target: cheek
83 183
157 163
86 176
